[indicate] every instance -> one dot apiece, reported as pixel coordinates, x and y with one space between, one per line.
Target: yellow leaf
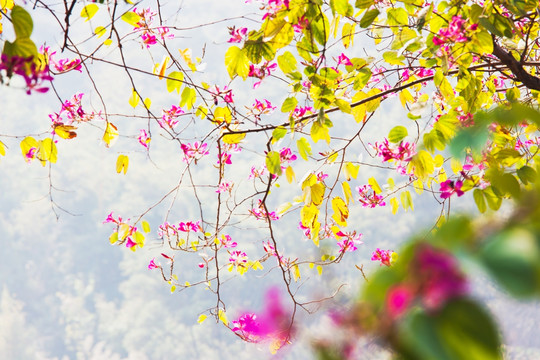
100 31
147 103
223 317
65 131
296 272
2 149
347 192
237 62
122 164
27 145
351 170
418 186
233 138
319 269
374 185
257 265
395 205
145 226
289 172
341 211
187 284
134 99
222 114
123 231
201 318
317 193
6 4
161 72
111 134
113 238
47 151
107 42
332 158
89 11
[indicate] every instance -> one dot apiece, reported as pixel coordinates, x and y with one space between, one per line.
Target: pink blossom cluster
156 265
130 244
72 112
226 153
384 256
421 73
167 229
286 156
368 197
273 324
259 108
150 34
257 172
238 258
33 75
227 241
343 59
261 71
454 33
194 151
302 23
271 251
237 35
62 65
451 187
143 138
224 187
260 213
169 117
272 7
402 153
435 279
351 239
300 111
224 94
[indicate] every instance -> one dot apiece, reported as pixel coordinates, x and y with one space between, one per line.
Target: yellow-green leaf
273 163
132 18
374 185
174 81
347 192
237 62
289 172
351 170
223 317
304 148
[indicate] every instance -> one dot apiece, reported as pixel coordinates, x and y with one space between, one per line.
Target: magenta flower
190 226
149 33
227 241
237 35
449 187
368 197
169 117
224 187
398 300
152 265
343 59
261 214
442 279
195 151
273 324
143 138
130 243
286 156
384 256
238 258
455 32
302 23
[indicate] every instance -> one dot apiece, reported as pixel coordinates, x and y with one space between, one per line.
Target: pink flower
195 151
302 23
342 59
368 197
168 117
227 241
448 188
273 324
441 277
349 243
130 243
143 138
261 214
286 156
189 226
224 187
454 33
384 256
257 173
398 300
237 35
224 94
238 258
152 265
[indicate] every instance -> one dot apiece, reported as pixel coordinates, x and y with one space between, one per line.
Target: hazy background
65 293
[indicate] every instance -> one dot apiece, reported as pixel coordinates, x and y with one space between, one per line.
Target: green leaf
132 18
527 174
369 17
278 134
22 22
188 97
364 4
273 163
236 62
397 134
342 7
23 47
289 104
174 81
304 148
89 11
513 258
256 49
479 200
397 16
392 58
460 330
493 200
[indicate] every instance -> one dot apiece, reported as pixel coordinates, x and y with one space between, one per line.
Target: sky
66 293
